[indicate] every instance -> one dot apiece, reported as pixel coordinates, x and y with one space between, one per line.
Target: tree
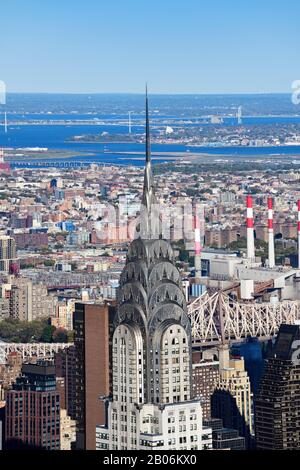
49 262
47 334
184 256
14 330
239 244
60 335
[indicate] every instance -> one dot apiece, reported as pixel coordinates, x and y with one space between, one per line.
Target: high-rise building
7 253
205 378
232 398
151 405
91 326
65 367
252 353
33 408
64 311
277 403
29 301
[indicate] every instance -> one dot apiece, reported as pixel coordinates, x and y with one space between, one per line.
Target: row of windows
181 428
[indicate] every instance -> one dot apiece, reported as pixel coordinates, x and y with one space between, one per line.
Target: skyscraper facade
29 301
65 367
277 403
205 378
232 398
91 326
33 408
151 404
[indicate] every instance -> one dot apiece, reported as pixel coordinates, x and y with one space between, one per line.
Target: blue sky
178 46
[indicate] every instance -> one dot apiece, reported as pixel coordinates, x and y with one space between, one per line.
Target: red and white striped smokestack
271 233
197 247
250 232
298 233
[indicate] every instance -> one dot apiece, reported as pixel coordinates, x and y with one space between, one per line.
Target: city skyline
149 245
148 343
220 48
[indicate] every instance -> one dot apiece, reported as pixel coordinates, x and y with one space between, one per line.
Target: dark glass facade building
277 404
224 438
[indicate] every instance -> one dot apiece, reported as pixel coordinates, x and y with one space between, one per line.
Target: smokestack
271 233
197 247
250 232
298 233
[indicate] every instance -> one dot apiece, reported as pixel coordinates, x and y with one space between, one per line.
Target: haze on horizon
196 46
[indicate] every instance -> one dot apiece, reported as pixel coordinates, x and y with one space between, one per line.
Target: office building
33 409
65 367
91 326
252 353
224 438
205 378
151 406
277 403
232 398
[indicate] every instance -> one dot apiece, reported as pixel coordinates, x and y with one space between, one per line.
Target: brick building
33 408
91 326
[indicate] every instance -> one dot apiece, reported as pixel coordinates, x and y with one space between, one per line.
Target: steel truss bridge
29 350
216 318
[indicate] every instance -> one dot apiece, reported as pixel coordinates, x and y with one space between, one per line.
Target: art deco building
232 398
151 405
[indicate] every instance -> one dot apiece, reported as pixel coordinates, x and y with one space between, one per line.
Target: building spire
149 218
148 192
148 149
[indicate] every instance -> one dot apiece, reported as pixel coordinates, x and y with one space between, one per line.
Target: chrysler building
151 405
